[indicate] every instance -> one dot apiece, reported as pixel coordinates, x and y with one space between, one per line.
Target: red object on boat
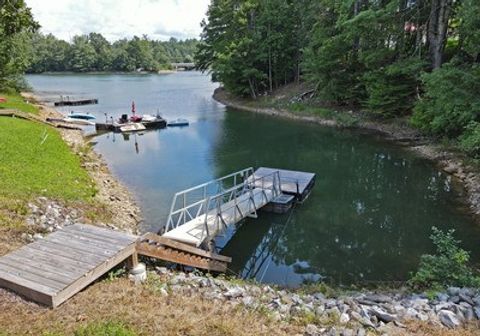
133 107
135 118
2 100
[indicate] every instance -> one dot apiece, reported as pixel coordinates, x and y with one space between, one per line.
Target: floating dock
296 183
76 102
197 217
53 269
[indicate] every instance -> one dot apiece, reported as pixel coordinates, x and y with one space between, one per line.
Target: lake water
368 218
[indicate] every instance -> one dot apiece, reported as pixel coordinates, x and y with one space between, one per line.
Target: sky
116 19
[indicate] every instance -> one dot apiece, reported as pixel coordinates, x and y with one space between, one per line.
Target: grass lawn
16 102
34 161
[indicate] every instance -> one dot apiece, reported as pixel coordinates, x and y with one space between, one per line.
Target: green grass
16 102
105 329
35 161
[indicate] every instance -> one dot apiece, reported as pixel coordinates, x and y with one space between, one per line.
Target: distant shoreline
104 72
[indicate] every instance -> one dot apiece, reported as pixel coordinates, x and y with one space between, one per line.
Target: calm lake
369 216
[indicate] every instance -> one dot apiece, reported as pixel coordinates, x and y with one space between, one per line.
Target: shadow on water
368 218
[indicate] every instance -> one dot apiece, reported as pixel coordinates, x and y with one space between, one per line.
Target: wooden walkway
55 268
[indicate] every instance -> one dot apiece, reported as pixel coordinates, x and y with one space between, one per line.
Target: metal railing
201 201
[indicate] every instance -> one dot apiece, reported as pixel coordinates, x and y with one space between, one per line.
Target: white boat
82 116
132 127
149 117
79 121
178 122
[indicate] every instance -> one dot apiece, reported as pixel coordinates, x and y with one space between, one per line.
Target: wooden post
132 261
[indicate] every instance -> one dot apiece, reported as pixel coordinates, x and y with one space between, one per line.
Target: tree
16 22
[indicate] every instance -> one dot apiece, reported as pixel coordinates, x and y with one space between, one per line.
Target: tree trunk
437 30
252 88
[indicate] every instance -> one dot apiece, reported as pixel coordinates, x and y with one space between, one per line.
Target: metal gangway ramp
199 214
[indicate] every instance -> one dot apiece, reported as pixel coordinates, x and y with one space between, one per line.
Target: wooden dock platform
53 269
76 102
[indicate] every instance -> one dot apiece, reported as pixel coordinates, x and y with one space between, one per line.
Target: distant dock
76 102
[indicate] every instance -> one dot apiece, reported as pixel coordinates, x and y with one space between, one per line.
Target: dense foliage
16 22
93 52
448 267
389 57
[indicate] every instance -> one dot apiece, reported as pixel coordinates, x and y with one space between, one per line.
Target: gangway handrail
244 173
214 205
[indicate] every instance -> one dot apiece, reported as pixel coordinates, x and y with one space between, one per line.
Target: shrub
392 90
448 267
105 329
450 102
470 139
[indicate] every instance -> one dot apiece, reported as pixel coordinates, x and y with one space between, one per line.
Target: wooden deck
55 268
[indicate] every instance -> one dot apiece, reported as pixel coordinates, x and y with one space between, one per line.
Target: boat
135 118
178 122
82 116
78 121
132 127
149 118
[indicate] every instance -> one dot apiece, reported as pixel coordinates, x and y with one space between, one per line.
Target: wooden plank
185 247
66 251
82 247
40 270
93 275
16 276
100 235
28 275
71 267
79 238
25 288
103 232
164 254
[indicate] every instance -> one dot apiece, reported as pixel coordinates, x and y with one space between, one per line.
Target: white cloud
116 19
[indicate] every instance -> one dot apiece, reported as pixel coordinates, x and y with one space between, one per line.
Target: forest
414 59
93 52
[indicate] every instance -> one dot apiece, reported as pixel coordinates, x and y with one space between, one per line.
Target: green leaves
16 22
448 267
451 100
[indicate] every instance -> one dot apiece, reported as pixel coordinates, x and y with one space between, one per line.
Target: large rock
448 319
466 298
312 330
234 293
378 298
477 312
453 291
383 315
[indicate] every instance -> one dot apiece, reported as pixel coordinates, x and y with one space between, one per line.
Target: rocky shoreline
354 313
451 162
48 215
